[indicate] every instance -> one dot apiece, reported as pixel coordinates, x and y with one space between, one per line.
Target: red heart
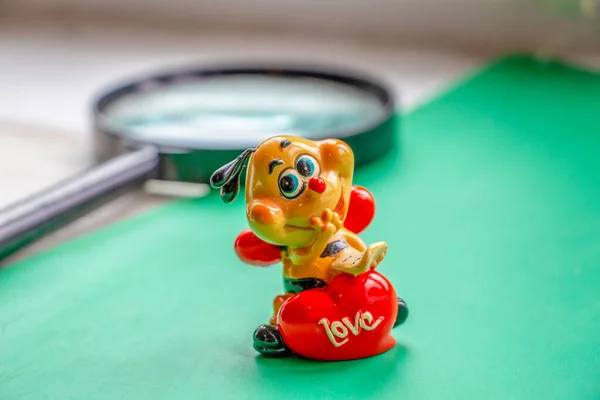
361 210
350 318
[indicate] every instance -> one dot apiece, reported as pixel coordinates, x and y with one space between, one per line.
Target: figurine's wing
254 251
361 210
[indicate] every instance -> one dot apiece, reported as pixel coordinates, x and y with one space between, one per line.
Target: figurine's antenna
227 178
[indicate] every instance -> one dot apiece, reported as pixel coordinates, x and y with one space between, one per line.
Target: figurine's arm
325 227
355 262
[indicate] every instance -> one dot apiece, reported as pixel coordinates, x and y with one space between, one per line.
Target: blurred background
55 55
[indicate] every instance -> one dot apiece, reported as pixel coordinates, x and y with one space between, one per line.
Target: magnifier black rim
361 81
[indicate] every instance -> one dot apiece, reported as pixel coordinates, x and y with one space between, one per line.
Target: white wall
482 23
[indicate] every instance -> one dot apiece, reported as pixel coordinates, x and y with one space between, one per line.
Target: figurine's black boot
269 343
402 313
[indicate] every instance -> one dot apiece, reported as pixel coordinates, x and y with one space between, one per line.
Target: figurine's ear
228 176
230 190
336 155
221 176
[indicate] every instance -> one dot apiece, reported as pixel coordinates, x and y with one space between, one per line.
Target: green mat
491 207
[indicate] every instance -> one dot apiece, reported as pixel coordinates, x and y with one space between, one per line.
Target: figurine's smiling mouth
295 227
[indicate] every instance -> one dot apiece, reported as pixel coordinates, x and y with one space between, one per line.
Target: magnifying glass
181 126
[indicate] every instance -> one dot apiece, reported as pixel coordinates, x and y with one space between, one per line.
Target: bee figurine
304 212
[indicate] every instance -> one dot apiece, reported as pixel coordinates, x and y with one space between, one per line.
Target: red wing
254 251
361 210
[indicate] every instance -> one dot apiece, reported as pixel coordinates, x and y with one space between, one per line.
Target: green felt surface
491 207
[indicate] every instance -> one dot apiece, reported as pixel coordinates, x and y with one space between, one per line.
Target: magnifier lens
193 112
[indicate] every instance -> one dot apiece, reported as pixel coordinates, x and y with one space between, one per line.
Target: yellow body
300 218
321 267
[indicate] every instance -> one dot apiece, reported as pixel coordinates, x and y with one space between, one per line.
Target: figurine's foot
402 313
269 343
277 303
273 319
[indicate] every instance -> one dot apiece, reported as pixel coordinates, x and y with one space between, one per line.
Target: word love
340 330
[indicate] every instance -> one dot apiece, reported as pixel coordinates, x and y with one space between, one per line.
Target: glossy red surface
254 251
361 210
340 321
317 184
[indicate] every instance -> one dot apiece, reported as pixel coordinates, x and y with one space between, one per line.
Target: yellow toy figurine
303 210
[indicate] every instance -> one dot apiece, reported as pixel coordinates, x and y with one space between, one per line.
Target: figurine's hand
329 222
325 227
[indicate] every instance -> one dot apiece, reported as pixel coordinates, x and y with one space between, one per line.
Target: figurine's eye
307 166
290 184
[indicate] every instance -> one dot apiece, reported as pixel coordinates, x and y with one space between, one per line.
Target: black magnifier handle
33 217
